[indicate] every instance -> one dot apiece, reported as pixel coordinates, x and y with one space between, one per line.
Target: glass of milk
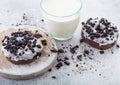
61 17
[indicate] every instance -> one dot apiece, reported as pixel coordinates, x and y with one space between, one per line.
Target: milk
61 17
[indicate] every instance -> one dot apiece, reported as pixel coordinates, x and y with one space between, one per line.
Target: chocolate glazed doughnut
99 33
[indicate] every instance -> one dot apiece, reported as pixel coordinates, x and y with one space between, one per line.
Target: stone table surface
95 69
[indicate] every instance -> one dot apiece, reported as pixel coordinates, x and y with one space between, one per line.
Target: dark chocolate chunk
62 44
104 35
44 42
23 52
101 52
79 57
107 38
60 51
92 37
67 63
115 30
26 49
37 35
36 31
73 49
59 59
54 50
83 23
63 47
19 54
54 77
3 44
38 46
42 20
89 30
95 35
24 17
99 74
50 70
66 58
2 41
86 52
39 54
118 46
77 65
90 23
89 19
33 51
81 40
59 65
68 74
90 58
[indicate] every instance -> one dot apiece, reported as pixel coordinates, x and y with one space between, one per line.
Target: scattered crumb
67 63
85 53
59 65
90 58
77 65
49 70
42 20
101 52
60 51
73 49
118 46
112 52
68 74
57 51
81 40
53 77
99 74
54 50
62 44
79 57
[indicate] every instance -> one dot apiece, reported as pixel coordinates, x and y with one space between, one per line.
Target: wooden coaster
36 68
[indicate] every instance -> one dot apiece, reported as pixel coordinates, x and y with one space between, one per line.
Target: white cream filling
27 54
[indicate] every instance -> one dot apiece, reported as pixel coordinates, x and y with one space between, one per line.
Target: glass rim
62 16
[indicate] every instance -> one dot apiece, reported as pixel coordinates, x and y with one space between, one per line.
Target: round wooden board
34 69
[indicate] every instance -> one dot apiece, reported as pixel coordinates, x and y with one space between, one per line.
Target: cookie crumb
101 52
68 74
42 20
81 40
60 51
50 70
62 44
118 46
59 65
53 50
53 77
77 65
66 58
79 57
67 63
73 49
44 42
99 74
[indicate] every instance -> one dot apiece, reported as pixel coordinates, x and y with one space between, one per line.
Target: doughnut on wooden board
37 67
